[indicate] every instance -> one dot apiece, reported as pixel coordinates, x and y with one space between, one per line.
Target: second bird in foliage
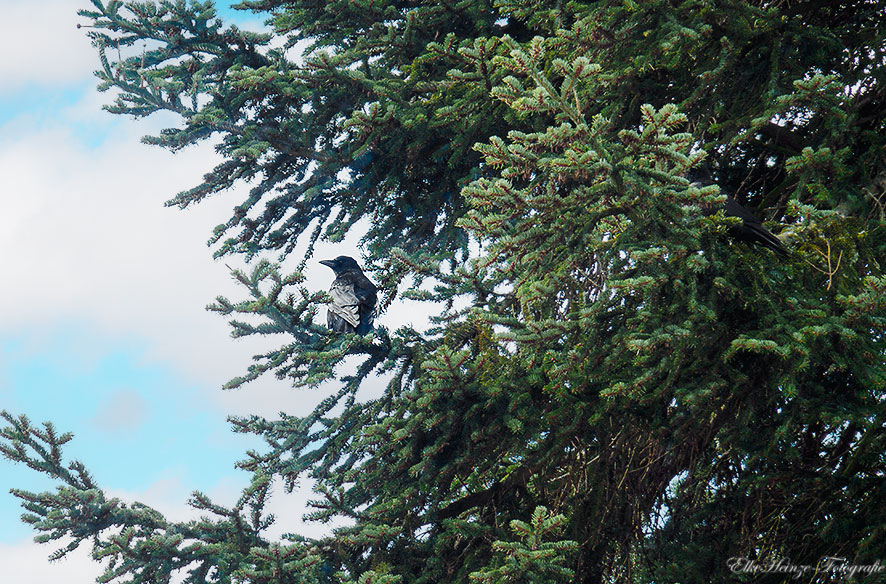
353 297
750 229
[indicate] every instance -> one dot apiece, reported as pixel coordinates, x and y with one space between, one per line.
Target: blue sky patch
134 422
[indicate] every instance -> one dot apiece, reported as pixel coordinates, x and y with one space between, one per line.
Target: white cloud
26 562
290 508
42 44
85 237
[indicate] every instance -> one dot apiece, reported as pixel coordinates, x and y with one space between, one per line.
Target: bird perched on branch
353 297
750 229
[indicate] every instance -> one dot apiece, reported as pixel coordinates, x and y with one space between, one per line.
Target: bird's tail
768 240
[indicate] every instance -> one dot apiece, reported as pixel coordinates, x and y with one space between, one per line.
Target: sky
103 327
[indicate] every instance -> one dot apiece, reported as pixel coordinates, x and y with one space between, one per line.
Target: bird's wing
366 291
752 226
344 302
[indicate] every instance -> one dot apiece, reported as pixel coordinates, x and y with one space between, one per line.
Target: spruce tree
607 366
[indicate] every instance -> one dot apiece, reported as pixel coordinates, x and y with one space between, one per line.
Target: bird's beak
328 263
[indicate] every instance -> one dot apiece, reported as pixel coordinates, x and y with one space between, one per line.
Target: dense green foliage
607 366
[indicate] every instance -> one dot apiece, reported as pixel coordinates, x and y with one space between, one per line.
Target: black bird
353 297
750 229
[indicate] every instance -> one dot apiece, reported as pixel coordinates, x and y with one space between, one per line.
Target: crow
353 297
750 229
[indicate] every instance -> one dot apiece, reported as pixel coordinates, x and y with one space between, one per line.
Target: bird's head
342 264
700 175
700 182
